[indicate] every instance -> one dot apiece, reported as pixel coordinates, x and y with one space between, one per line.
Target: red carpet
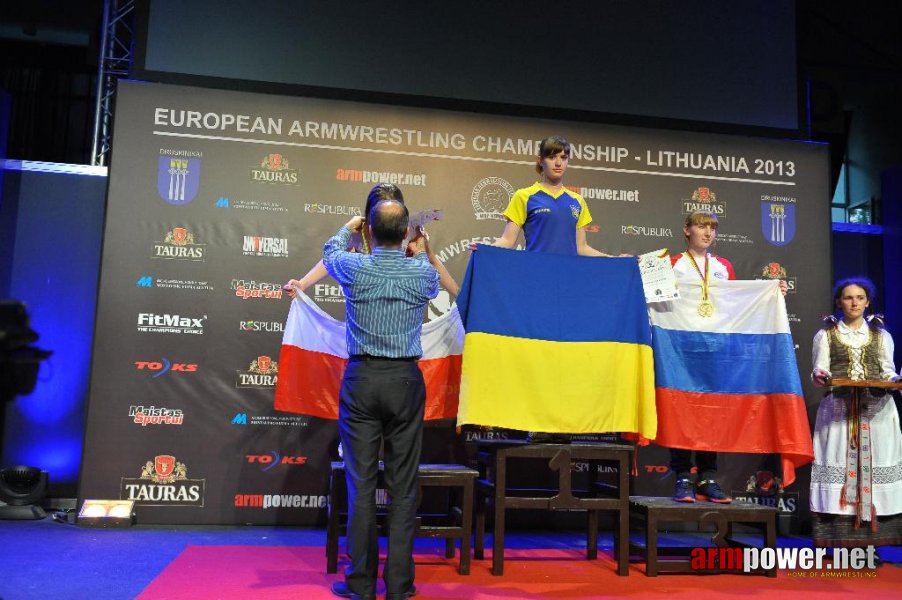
275 572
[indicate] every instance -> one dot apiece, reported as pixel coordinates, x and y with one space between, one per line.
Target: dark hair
870 291
550 146
382 191
388 223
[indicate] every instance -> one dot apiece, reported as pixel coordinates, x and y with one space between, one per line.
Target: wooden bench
653 511
458 522
493 486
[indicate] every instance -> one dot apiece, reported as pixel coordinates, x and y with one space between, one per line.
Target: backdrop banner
216 198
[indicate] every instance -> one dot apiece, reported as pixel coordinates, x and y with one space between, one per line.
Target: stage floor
47 559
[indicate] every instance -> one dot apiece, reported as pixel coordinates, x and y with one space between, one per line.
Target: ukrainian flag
555 344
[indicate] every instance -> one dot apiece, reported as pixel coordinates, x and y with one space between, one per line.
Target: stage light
107 513
20 488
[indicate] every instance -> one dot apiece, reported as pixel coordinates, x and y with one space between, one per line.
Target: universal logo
179 244
490 197
178 175
774 270
163 482
255 245
275 169
261 373
704 199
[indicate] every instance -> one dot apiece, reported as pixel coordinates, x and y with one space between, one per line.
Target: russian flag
730 382
314 354
555 344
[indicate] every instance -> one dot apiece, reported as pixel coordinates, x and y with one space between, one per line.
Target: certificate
657 276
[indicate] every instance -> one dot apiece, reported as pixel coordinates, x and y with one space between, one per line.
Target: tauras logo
163 482
261 373
166 323
274 169
178 244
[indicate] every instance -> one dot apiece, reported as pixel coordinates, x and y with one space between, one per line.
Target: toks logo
704 199
163 482
275 169
178 244
164 366
272 460
262 373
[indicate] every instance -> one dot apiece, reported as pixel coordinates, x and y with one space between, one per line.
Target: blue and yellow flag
555 344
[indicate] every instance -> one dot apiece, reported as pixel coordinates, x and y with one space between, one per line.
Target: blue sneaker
710 491
684 491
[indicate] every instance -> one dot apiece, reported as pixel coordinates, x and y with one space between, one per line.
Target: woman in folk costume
856 478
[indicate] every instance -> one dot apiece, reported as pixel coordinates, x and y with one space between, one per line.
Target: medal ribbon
705 277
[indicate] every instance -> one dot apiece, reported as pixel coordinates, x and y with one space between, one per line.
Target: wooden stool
655 510
492 457
459 523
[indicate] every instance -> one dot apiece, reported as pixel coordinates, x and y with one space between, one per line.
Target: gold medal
705 308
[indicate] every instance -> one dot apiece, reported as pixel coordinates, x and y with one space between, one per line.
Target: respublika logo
704 199
163 366
166 323
646 231
179 244
261 373
268 462
273 247
152 415
178 176
274 168
331 209
778 219
490 197
256 325
163 482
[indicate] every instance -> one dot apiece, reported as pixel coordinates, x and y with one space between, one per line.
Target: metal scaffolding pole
116 54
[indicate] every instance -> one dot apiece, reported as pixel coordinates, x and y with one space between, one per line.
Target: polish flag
314 354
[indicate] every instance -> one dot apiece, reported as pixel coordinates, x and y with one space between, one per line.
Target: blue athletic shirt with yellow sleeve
549 220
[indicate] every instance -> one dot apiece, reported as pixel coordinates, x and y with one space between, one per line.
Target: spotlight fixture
107 513
20 488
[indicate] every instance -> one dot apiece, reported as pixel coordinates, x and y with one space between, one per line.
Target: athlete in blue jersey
552 218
